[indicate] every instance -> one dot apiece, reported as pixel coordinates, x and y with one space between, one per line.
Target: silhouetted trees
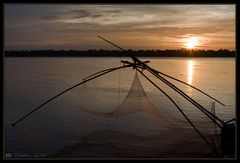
117 53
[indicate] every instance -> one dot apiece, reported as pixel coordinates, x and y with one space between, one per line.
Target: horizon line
194 49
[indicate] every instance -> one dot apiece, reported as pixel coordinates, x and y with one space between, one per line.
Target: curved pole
200 107
66 90
191 87
181 111
234 119
155 73
100 72
135 59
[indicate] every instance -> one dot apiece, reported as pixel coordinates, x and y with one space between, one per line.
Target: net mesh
136 101
136 128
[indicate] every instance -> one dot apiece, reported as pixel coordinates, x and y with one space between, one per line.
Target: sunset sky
130 26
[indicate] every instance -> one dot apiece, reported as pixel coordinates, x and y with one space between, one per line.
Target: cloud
113 11
85 14
131 25
96 16
81 13
49 17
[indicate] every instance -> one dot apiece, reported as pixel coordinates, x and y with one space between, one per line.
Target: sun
191 42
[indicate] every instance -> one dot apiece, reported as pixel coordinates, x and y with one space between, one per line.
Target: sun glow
191 42
190 68
190 71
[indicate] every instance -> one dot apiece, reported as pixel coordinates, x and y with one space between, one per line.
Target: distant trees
117 53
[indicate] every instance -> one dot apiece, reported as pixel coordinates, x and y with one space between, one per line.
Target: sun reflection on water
190 71
190 75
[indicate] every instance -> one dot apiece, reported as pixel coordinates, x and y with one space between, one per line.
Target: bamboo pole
66 90
181 111
156 73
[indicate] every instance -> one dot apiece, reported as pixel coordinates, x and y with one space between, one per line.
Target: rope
119 79
118 97
185 116
70 88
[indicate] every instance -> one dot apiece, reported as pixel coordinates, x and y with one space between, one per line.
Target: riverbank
117 53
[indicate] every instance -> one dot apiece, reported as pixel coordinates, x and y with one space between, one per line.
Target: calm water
31 81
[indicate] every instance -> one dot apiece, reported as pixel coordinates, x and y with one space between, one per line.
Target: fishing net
98 120
137 128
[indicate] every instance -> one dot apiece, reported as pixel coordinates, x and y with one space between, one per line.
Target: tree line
117 53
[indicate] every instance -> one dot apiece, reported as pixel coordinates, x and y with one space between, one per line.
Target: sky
143 26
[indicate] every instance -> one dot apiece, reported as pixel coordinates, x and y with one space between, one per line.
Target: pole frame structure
85 80
140 65
156 73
